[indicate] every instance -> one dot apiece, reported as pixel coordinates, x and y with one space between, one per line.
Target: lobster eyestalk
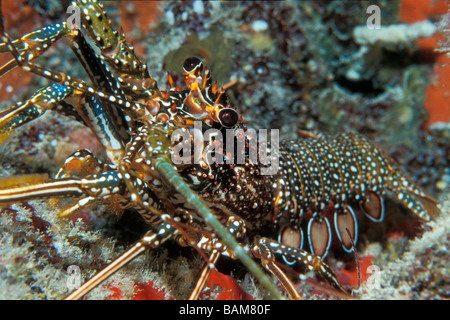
165 168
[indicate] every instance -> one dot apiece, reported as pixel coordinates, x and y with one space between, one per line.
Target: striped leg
89 110
136 109
101 186
107 122
102 79
266 249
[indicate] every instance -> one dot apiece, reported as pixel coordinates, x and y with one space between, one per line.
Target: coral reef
295 65
422 271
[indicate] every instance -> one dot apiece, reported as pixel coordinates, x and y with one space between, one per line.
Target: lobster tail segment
373 206
412 197
346 227
319 233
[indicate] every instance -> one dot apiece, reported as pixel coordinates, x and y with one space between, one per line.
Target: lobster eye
192 63
228 117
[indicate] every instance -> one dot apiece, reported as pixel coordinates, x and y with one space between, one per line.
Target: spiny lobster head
204 100
206 120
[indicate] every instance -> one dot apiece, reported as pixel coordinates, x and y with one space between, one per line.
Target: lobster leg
115 50
266 248
136 109
102 79
141 195
45 99
108 123
152 239
37 42
267 259
236 228
55 97
88 109
33 44
204 276
100 185
81 164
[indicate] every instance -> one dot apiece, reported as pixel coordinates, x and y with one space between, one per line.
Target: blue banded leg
34 44
151 240
44 99
89 110
268 247
102 79
136 109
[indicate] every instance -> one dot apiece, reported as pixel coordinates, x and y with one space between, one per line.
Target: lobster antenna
2 28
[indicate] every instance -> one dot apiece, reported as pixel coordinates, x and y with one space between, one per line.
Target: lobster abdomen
324 173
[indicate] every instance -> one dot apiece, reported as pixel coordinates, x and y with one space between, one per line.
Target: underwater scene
98 99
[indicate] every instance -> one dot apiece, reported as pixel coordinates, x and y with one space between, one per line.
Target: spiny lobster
143 128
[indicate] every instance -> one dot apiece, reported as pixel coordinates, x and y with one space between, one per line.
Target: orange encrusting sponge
437 94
